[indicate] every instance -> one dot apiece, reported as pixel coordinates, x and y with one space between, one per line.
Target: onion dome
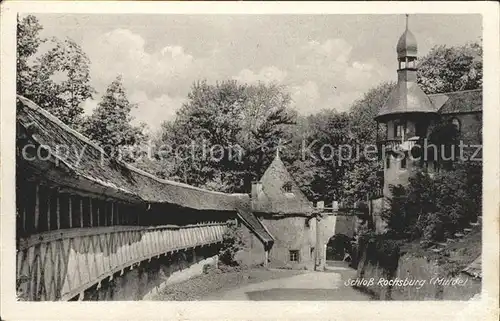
407 45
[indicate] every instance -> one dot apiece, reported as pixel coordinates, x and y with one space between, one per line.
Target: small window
294 256
455 122
388 162
403 162
287 187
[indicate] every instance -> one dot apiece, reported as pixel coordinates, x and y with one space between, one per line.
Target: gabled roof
273 199
458 102
96 166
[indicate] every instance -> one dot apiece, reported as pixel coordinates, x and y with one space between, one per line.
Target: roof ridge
454 92
30 104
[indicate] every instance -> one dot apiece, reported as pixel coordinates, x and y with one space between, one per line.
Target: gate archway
338 245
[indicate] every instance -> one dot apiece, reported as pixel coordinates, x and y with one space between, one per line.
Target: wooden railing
62 264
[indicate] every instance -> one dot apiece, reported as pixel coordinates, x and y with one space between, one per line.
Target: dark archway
337 247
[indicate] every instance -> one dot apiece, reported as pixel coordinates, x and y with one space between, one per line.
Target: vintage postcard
249 160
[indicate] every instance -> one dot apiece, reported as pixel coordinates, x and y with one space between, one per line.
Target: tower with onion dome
407 114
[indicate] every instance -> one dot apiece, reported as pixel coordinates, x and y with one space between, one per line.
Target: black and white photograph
262 157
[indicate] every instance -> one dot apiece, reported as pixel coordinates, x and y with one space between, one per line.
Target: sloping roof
96 166
458 102
273 199
406 97
253 223
474 269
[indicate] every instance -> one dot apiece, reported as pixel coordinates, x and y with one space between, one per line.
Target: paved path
328 285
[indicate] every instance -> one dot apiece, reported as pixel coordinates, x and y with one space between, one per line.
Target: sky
324 61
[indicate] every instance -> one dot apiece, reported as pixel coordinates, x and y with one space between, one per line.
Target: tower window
388 162
287 187
399 130
455 122
403 162
294 256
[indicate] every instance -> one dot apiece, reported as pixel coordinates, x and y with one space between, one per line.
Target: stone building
300 234
286 213
409 116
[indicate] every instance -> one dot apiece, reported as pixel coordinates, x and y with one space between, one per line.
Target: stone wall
254 253
291 233
426 280
149 278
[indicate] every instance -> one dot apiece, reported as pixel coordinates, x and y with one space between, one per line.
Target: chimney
256 189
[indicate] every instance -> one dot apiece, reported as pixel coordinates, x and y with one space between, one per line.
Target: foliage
435 208
380 251
320 162
364 176
364 110
109 125
28 42
57 79
226 134
447 69
232 243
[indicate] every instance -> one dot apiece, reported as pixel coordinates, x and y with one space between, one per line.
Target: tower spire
407 15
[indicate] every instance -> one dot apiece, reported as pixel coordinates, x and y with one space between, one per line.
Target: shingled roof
458 102
273 199
253 223
96 166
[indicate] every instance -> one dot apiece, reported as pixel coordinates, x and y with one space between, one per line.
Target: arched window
455 122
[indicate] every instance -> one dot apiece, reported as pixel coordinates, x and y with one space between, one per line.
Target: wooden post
98 209
80 199
91 213
37 207
112 213
49 209
58 210
70 212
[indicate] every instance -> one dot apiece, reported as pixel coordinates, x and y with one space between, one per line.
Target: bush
232 243
381 250
435 208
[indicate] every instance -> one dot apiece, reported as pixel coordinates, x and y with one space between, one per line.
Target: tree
28 42
323 155
224 135
364 177
66 68
232 243
363 111
447 69
109 125
58 79
434 208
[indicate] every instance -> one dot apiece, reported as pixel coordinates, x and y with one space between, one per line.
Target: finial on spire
278 148
407 15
